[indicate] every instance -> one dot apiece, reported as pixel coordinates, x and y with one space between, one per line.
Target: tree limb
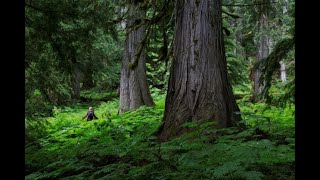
134 63
269 64
235 16
254 4
47 10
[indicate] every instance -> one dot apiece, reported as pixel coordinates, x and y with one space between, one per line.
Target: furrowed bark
198 90
134 90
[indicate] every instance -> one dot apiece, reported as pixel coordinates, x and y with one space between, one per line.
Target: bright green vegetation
73 59
125 147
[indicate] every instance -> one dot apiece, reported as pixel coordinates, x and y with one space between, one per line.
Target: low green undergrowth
124 146
98 94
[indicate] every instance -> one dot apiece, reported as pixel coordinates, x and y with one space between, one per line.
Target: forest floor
124 147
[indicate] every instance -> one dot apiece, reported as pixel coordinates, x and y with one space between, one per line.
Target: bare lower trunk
199 90
134 90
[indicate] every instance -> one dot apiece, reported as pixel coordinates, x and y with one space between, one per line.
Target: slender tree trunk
88 78
283 71
199 90
164 54
134 90
87 81
164 48
285 7
238 35
76 78
263 48
123 23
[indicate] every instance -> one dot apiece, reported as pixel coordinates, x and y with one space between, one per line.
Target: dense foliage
73 54
124 147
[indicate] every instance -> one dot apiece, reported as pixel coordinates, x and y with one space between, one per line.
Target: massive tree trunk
263 48
199 90
134 90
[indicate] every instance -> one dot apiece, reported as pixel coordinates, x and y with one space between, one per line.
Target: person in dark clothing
90 115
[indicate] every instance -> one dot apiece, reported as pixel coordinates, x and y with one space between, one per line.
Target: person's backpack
90 115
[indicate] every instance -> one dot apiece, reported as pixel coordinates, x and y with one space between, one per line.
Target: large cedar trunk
198 90
134 90
263 47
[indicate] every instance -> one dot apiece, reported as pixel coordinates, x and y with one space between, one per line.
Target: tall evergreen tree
134 90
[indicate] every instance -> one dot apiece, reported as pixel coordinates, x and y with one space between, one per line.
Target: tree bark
283 71
263 48
76 78
88 78
134 90
75 75
198 90
285 6
87 82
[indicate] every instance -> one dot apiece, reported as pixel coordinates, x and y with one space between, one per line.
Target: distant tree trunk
285 7
123 10
134 90
76 77
88 78
163 56
199 90
239 39
263 48
164 48
87 81
283 71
